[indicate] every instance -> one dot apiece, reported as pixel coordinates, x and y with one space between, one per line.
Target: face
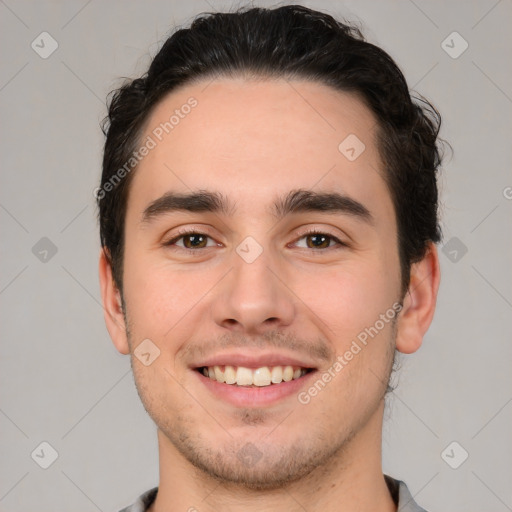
300 261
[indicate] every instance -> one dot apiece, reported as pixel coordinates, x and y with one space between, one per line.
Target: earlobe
419 302
112 305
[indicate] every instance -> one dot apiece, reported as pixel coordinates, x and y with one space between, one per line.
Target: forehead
254 139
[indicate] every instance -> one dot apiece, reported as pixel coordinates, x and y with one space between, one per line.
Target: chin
255 465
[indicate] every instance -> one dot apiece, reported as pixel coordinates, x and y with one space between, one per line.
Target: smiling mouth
256 377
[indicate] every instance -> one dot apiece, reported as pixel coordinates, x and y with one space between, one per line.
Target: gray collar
398 489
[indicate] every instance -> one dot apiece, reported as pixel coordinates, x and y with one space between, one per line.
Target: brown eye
190 240
318 241
194 240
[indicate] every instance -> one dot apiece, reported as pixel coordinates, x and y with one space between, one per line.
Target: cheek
150 298
163 300
351 296
350 302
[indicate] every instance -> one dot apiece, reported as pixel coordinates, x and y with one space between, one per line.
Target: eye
191 240
318 240
194 240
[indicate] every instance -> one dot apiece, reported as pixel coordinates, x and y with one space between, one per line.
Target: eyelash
311 232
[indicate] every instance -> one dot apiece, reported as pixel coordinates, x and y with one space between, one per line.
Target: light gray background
61 379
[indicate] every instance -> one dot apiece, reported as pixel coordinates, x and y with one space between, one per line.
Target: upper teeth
243 376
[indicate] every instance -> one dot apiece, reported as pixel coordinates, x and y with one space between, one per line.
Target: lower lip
254 396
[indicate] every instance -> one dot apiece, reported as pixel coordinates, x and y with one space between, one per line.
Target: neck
352 480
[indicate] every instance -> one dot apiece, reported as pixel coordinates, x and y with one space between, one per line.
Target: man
268 216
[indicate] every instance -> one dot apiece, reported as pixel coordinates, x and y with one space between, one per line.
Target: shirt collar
398 489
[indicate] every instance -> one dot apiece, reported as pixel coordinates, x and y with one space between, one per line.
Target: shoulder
402 496
143 502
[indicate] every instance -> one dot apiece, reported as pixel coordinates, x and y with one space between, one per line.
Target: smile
259 377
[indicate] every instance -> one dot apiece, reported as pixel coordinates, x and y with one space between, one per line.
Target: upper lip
254 361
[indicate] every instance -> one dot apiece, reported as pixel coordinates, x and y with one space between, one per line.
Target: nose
253 298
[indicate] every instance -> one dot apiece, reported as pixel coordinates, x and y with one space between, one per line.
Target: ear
112 306
419 302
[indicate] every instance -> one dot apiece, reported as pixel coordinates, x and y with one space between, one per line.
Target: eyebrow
296 201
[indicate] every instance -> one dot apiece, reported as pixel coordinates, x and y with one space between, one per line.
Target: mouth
261 377
251 379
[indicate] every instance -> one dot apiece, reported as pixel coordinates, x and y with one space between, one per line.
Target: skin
253 141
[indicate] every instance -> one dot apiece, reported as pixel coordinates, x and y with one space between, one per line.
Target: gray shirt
397 488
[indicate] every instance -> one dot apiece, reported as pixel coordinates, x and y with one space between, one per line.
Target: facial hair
241 464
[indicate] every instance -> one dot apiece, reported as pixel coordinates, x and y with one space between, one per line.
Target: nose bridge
252 297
